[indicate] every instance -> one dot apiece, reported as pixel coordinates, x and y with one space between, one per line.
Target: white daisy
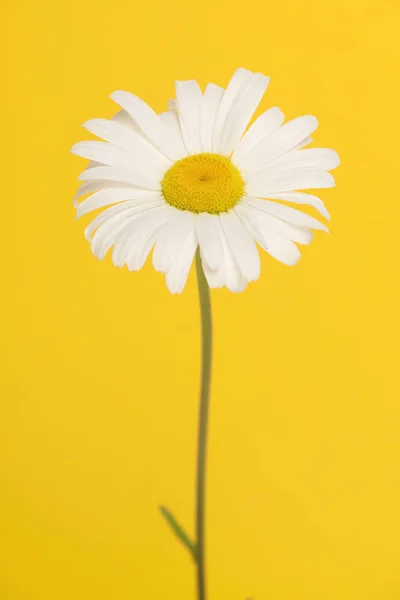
193 176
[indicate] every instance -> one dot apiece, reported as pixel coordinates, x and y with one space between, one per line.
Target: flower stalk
206 329
197 548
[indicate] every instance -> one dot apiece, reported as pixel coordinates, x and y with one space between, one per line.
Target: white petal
242 245
120 175
216 277
209 110
113 211
279 142
262 127
209 236
109 196
139 228
277 245
107 232
178 273
280 248
124 118
312 158
146 119
237 85
264 183
301 198
115 156
234 280
173 128
171 240
189 101
106 154
97 184
242 110
139 255
87 187
265 222
286 213
145 237
228 273
124 137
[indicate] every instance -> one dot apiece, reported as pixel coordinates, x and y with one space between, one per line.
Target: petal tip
294 261
116 95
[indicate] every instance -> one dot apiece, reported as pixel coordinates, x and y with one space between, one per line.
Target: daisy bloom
197 181
193 177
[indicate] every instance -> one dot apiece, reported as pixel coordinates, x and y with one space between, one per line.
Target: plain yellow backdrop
100 367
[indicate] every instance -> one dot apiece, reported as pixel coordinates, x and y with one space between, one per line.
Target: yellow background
100 367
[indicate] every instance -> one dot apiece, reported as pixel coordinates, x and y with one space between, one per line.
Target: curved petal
209 110
115 156
109 196
241 113
137 231
311 158
123 209
178 272
171 240
215 277
242 245
234 280
262 127
277 245
264 183
106 154
228 273
145 239
119 175
279 248
96 185
259 218
301 198
125 137
238 84
124 118
189 101
171 123
209 236
147 121
106 234
279 142
87 187
286 213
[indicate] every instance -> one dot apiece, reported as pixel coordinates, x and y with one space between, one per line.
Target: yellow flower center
203 183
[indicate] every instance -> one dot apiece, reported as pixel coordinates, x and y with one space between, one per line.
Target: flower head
193 176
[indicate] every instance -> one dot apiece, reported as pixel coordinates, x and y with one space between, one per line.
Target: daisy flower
193 176
196 180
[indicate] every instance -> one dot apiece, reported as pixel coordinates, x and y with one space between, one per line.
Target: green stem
206 330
